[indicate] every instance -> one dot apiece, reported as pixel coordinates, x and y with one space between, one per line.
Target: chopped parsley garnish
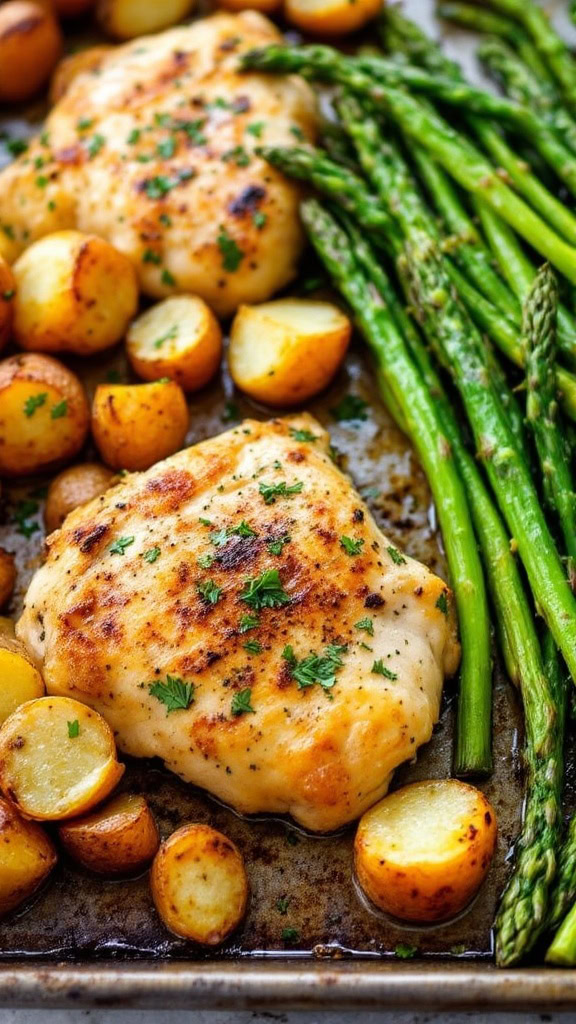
9 294
442 603
59 410
193 130
134 136
243 530
380 669
248 622
366 624
94 145
168 336
259 219
237 155
150 256
119 546
166 148
167 278
272 491
42 181
16 146
232 255
84 123
283 904
256 128
221 537
165 219
404 951
205 561
241 702
209 592
158 186
352 407
34 402
231 412
73 729
205 522
253 647
395 555
290 935
316 668
175 694
351 547
151 555
21 515
265 591
297 132
303 435
275 546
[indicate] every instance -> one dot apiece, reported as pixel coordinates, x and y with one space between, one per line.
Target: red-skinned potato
74 486
117 839
7 293
30 45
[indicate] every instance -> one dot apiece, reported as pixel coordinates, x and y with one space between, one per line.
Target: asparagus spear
542 408
456 342
455 154
420 49
488 23
564 892
562 950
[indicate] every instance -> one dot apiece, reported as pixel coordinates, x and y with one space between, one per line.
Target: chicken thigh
153 149
235 611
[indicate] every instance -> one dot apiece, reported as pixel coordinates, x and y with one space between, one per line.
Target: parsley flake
231 412
150 256
352 407
442 603
395 555
134 136
84 123
241 702
21 515
256 128
275 546
404 951
34 402
167 278
151 555
232 255
253 647
248 622
236 155
94 145
175 694
290 935
59 410
281 490
259 219
209 592
168 336
366 624
283 904
265 591
380 669
119 546
316 668
303 435
16 146
166 148
73 729
205 561
351 547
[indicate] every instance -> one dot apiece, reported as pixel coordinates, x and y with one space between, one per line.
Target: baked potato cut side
119 838
178 338
137 425
26 857
331 17
422 852
74 487
199 884
20 680
284 352
57 759
44 415
74 293
127 19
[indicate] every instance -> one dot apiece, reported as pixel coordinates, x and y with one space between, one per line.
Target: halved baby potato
7 293
284 352
27 857
331 17
7 576
44 415
30 44
178 338
20 680
199 884
127 19
136 425
119 838
57 759
72 66
422 852
73 487
74 293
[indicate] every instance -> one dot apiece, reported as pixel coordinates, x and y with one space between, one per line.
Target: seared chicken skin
235 611
154 151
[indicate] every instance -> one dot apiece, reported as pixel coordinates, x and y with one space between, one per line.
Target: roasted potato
44 414
73 487
265 6
199 884
72 8
422 852
26 857
74 293
57 759
178 338
73 65
7 293
20 680
330 17
119 838
284 352
30 45
136 425
7 576
126 19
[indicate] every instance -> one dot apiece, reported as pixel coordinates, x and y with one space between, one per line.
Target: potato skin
336 18
55 431
126 19
136 425
30 44
20 680
119 838
72 8
199 884
421 886
7 576
26 857
74 293
7 293
73 487
69 67
192 358
36 737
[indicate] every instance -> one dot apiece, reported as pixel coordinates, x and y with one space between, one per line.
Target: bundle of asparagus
445 221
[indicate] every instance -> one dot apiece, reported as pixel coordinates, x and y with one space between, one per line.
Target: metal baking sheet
85 942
